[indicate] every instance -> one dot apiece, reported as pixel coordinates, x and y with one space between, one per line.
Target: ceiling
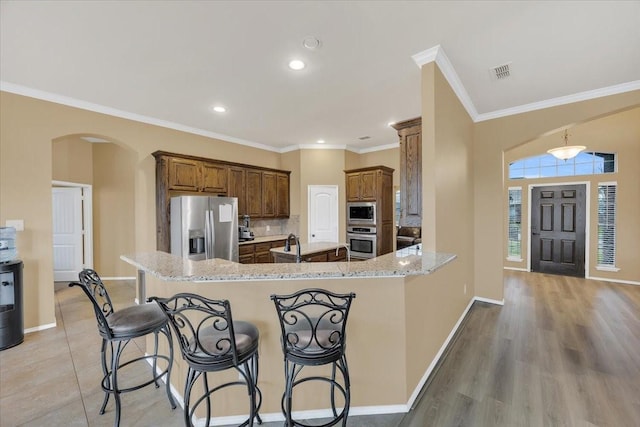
170 62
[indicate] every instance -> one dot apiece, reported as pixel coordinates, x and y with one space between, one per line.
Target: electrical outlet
465 288
268 228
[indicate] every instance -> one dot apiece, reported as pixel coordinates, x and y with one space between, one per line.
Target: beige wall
113 208
491 139
389 158
28 126
72 160
27 129
110 170
618 133
447 188
321 167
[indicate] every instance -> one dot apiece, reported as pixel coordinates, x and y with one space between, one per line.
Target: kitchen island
312 252
407 305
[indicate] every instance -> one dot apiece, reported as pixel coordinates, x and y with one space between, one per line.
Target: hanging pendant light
566 152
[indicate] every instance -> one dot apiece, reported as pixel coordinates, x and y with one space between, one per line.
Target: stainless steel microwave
361 213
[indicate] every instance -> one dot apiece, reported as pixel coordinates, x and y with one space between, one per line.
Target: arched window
547 166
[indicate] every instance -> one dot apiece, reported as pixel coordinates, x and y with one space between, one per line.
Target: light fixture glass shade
566 152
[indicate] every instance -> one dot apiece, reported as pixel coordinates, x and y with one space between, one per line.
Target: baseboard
626 282
40 328
489 300
118 278
354 410
436 359
305 415
278 416
515 269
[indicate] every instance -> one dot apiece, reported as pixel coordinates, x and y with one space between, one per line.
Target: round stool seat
136 320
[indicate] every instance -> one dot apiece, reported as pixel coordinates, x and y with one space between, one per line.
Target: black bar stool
313 325
211 341
117 329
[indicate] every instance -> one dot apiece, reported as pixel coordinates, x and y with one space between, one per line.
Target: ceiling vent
363 138
501 72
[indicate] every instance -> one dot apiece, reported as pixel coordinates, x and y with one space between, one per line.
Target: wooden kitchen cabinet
362 186
197 176
184 174
375 184
258 253
262 253
180 174
214 177
254 193
238 188
328 255
282 195
269 194
410 135
246 254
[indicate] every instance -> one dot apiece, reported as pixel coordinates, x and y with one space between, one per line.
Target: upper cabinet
197 176
261 192
362 185
375 184
282 195
410 135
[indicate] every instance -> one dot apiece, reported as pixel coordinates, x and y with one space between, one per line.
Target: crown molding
436 54
376 148
562 100
84 105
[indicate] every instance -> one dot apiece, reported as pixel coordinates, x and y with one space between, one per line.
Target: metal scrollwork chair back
117 329
210 341
313 325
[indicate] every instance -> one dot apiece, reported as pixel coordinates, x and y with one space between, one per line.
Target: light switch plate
18 224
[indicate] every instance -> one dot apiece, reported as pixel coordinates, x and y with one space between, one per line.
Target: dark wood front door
558 229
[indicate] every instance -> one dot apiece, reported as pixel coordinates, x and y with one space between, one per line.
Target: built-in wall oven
361 213
362 241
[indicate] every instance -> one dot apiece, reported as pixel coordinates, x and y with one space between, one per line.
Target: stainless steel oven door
362 245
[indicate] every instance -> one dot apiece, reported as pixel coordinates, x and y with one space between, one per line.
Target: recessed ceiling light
296 64
320 141
219 109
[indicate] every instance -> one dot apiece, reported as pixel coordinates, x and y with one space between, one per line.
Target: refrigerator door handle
207 235
211 235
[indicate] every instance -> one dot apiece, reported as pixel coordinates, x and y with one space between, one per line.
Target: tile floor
53 377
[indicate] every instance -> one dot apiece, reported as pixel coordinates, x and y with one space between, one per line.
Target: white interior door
67 233
323 213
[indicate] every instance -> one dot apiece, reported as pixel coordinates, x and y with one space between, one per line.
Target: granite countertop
310 248
405 262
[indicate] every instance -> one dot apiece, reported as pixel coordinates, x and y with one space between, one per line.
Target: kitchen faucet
287 246
344 245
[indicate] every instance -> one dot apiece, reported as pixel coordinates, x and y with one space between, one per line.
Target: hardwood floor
562 351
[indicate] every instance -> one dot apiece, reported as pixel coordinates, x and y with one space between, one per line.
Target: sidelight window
607 226
514 245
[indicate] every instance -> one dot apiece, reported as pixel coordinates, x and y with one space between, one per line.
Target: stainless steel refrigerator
204 227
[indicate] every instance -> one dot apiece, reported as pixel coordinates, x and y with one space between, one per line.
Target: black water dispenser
11 305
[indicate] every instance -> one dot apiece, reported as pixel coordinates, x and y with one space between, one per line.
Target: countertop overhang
405 262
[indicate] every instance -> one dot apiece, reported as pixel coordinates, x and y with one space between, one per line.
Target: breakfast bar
397 324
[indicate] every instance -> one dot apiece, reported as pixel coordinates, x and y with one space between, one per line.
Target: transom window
547 166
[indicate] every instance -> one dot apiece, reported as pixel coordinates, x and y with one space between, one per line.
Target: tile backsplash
276 226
